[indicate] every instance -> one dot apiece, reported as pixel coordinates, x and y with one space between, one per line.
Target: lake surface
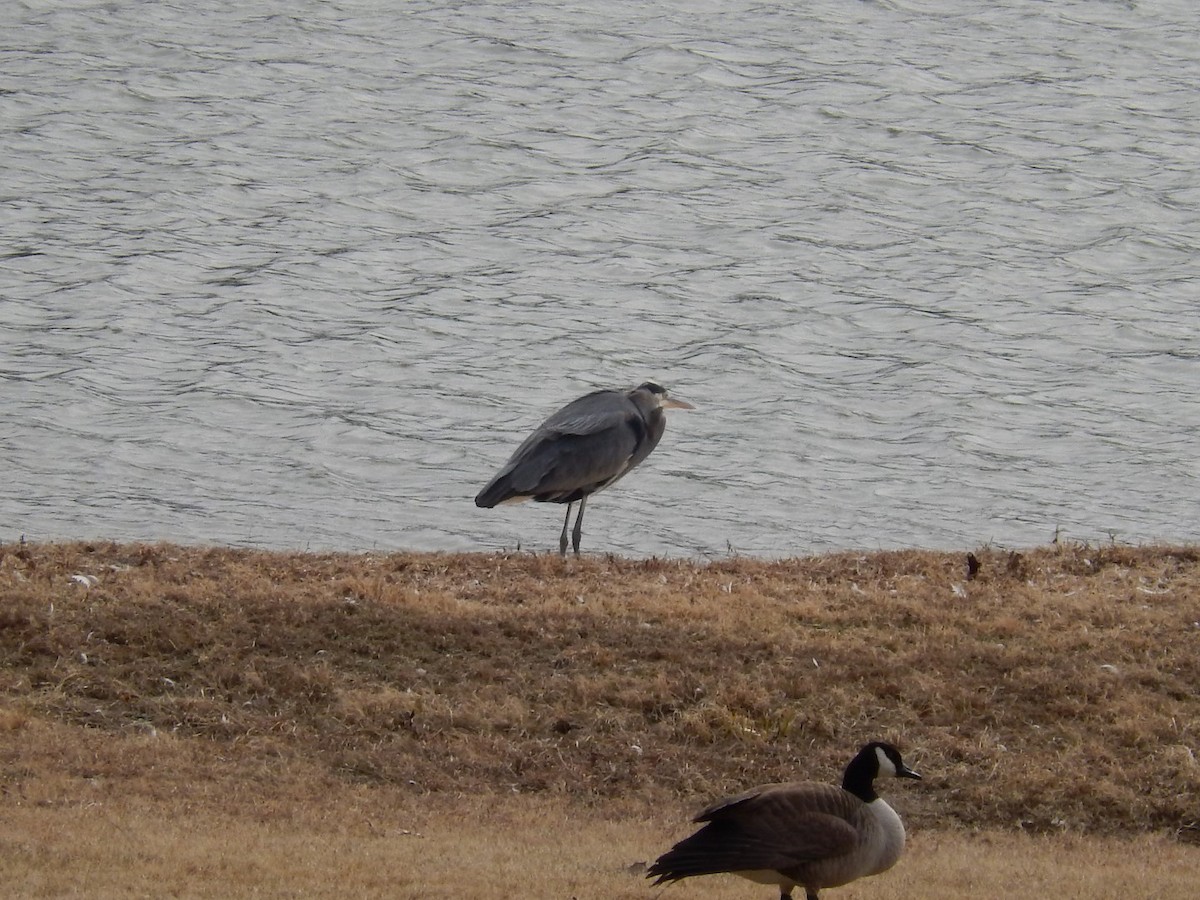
303 274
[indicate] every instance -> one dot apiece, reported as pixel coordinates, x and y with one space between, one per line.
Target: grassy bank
531 848
1055 692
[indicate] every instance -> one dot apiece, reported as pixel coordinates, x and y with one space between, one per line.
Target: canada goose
801 834
583 448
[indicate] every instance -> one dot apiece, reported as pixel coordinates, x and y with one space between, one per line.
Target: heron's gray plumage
583 448
575 451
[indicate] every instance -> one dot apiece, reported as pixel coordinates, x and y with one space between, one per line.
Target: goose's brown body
793 835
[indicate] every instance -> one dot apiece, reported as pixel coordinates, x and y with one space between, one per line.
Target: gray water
303 274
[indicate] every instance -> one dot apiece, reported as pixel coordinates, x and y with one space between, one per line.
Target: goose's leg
562 538
578 532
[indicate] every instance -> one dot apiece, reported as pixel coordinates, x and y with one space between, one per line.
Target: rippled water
303 274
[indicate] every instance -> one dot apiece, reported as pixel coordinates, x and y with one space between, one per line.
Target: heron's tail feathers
498 490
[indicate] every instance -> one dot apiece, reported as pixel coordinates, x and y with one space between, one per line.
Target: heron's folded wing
561 462
591 414
585 445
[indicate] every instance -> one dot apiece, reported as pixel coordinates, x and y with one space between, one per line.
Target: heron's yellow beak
672 403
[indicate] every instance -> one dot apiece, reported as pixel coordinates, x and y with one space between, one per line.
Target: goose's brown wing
774 827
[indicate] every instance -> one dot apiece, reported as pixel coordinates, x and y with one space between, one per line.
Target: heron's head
664 400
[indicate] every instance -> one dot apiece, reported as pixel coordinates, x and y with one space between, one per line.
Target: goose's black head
875 760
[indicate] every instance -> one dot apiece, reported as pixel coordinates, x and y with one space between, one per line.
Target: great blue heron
584 447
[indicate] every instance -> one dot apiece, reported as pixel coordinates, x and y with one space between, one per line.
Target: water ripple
303 276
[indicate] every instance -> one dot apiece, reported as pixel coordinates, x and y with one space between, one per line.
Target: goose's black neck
859 778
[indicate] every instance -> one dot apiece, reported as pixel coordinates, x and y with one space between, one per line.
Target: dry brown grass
506 847
1055 693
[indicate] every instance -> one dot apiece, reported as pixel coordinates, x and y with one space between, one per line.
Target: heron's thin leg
562 538
578 532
